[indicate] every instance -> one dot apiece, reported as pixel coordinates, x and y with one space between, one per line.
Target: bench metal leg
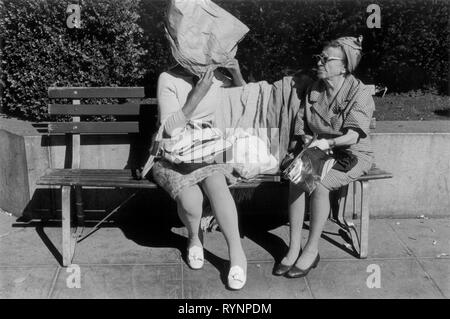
364 230
68 242
79 211
355 215
342 202
347 223
79 206
360 242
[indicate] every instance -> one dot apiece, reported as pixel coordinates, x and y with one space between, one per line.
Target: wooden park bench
73 178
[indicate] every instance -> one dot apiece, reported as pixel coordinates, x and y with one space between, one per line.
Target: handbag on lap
198 142
194 146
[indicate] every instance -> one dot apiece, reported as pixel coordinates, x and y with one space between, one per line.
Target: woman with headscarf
337 108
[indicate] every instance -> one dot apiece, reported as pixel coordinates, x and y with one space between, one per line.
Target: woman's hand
322 144
199 91
349 138
233 67
204 84
306 139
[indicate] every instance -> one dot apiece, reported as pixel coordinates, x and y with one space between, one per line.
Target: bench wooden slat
122 178
118 174
120 182
85 171
373 177
94 109
375 173
94 127
131 183
95 92
110 183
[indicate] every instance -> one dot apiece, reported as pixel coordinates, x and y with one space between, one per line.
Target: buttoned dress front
352 108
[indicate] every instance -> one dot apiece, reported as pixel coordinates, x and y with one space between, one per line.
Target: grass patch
412 106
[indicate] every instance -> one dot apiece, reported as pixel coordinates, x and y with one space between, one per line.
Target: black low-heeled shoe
280 269
296 272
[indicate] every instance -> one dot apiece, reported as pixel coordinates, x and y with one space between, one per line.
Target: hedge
408 52
41 51
123 43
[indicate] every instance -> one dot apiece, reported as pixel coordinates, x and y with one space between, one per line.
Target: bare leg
224 208
320 209
296 215
189 207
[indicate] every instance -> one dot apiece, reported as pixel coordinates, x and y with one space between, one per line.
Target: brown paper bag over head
202 34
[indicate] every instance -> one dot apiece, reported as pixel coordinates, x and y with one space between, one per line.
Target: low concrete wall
417 153
14 191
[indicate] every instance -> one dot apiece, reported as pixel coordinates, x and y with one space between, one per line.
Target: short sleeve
169 108
360 115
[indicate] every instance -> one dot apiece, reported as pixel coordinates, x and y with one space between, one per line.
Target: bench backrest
78 111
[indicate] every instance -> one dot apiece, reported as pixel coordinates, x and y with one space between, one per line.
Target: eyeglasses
324 59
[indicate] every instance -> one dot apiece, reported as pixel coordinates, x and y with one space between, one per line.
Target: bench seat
122 178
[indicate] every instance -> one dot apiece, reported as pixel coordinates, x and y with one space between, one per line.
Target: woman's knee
321 192
215 182
295 190
217 190
191 200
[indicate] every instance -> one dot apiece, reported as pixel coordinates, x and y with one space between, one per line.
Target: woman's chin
321 74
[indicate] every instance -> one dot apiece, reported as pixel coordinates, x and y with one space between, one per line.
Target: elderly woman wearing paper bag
189 91
338 107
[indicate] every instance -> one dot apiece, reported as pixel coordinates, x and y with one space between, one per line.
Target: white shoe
236 278
195 257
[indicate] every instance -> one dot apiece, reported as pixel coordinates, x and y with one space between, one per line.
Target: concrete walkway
142 261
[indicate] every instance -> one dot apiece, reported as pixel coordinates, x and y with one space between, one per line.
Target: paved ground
144 260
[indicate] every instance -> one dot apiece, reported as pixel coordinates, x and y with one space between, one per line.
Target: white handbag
251 155
197 142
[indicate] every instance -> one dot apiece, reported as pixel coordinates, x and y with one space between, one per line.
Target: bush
409 52
41 51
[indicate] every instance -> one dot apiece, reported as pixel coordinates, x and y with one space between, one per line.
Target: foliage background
123 43
408 52
41 51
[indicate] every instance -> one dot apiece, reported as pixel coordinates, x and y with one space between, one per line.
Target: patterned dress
352 108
